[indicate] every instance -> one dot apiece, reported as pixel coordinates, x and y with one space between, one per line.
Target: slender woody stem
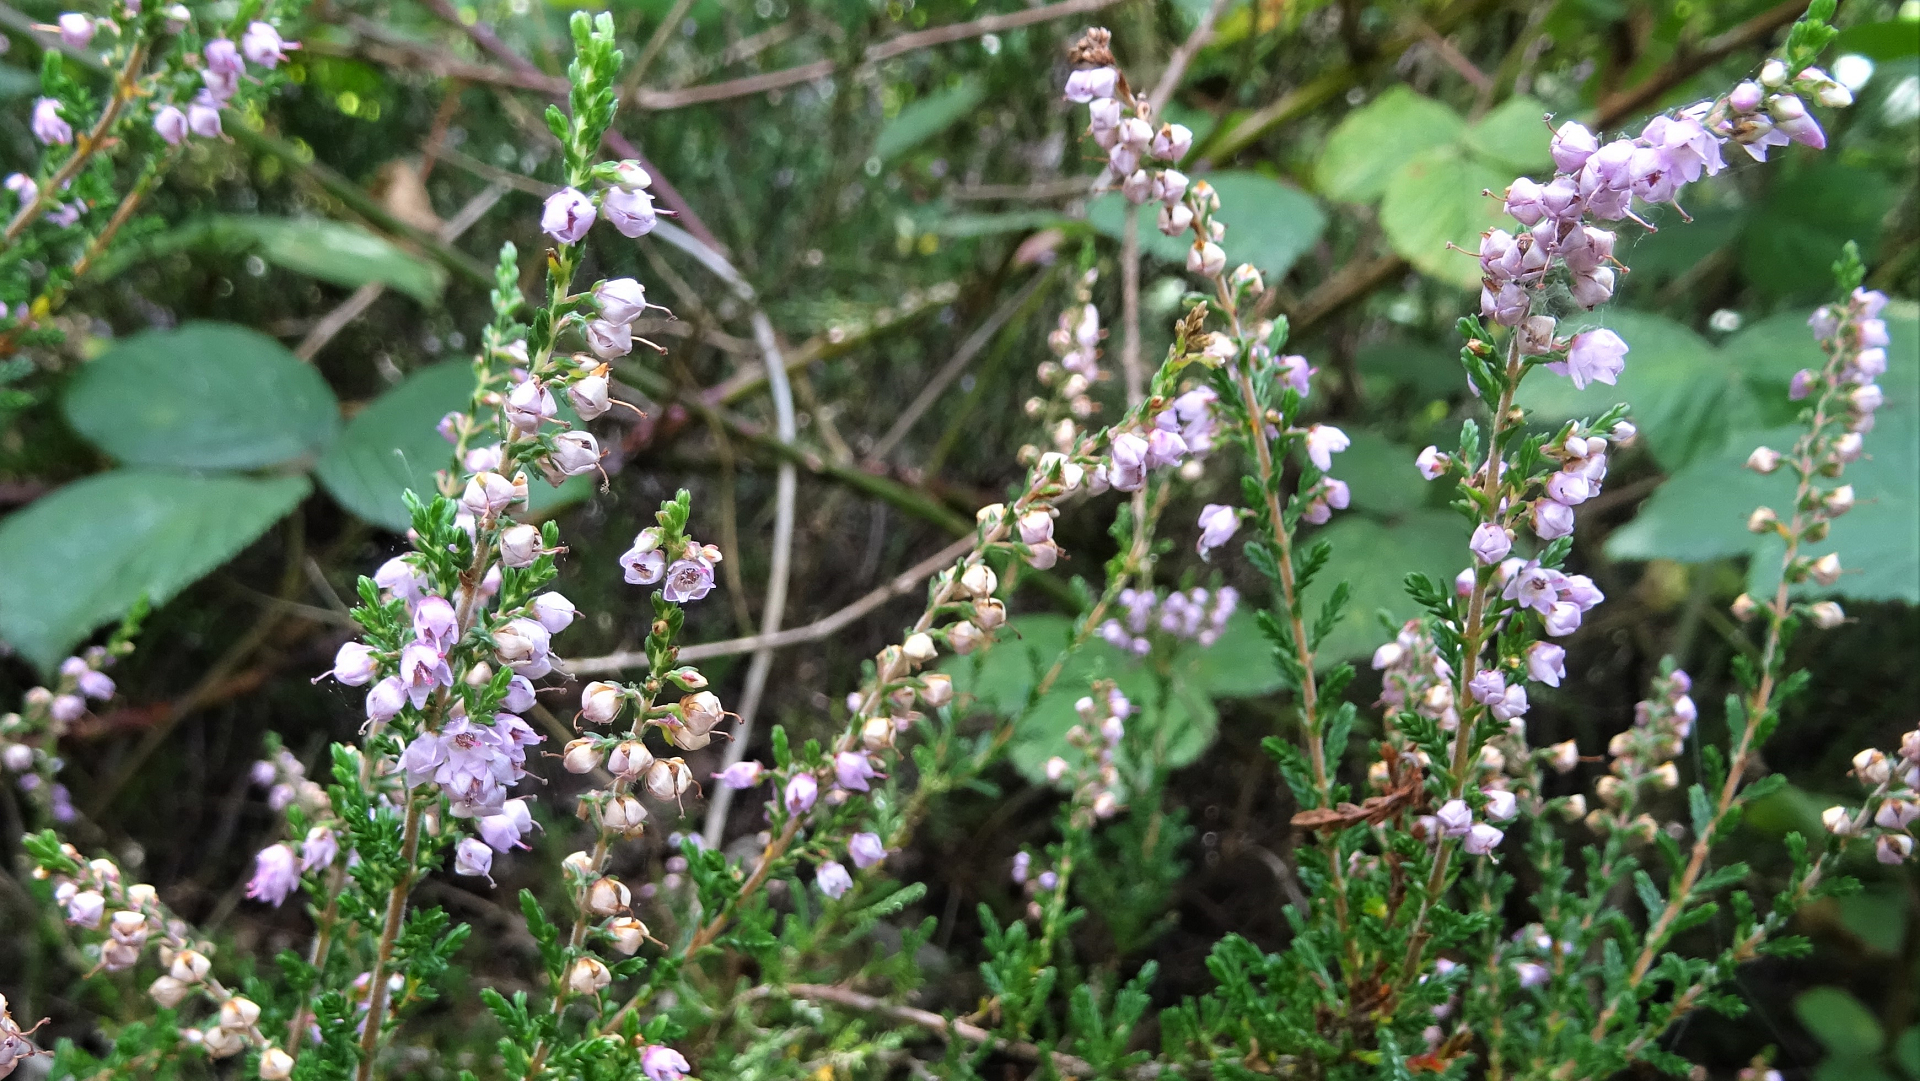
389 935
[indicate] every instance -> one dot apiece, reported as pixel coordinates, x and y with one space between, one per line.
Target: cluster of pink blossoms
625 203
687 573
1194 615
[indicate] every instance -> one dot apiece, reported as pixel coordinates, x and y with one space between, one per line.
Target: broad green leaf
391 446
1686 397
1434 200
1375 140
1374 557
1428 371
1906 1052
1700 512
203 396
928 117
1514 135
1810 210
1844 1026
1269 224
336 252
1787 809
1877 917
81 556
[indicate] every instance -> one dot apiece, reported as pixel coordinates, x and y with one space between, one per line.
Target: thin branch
951 370
657 42
898 586
354 306
1688 63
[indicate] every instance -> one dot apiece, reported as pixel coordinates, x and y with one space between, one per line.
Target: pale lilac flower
1552 519
522 641
385 699
1512 703
1089 84
1454 817
644 568
1501 804
852 768
1022 862
833 879
567 216
1218 523
589 397
1535 587
1562 619
1546 663
662 1063
1487 685
631 212
608 339
575 453
1431 463
1597 356
203 117
1571 147
1580 589
435 623
67 708
1746 97
1164 448
688 579
171 124
1506 305
1323 442
23 187
262 45
1482 839
47 125
1791 118
85 909
1206 258
1490 543
554 611
95 685
472 857
276 873
223 57
1530 973
1523 201
801 791
76 29
503 832
1296 373
398 576
422 669
1171 142
866 849
740 776
621 300
1129 470
529 405
319 849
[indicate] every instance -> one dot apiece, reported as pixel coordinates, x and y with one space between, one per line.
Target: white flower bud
239 1013
1839 501
1826 615
588 977
168 992
963 638
630 759
979 581
919 648
601 701
628 934
189 966
1743 607
1056 768
1762 520
1576 807
275 1065
1666 778
1893 848
577 864
1763 460
608 896
1838 821
1872 767
624 815
669 778
520 545
937 690
1773 74
990 515
581 756
223 1042
877 733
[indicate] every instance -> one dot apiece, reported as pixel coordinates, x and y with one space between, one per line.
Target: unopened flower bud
1773 74
628 934
1762 520
1838 821
601 701
275 1065
1826 615
222 1042
989 613
1666 778
239 1013
937 690
1826 569
588 977
608 896
189 966
1839 501
1056 768
1763 460
963 637
877 733
624 815
919 648
979 581
581 756
1743 607
168 992
1871 767
630 759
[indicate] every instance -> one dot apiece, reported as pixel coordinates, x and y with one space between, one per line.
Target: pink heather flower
386 698
621 300
1535 587
47 125
262 45
1482 839
1296 373
530 404
631 212
95 685
575 453
866 849
1552 519
740 776
1546 663
688 580
852 768
833 879
1580 589
223 58
1597 356
662 1063
1571 147
608 339
1091 83
1431 463
554 612
397 576
1336 493
1511 703
1218 523
1746 97
1487 686
203 117
1790 118
66 708
472 857
76 29
1164 448
422 669
1507 305
519 697
1323 442
503 832
567 216
319 849
1454 817
1562 619
1523 201
1530 973
1489 543
354 665
801 791
1501 804
276 873
589 397
435 623
1129 468
171 124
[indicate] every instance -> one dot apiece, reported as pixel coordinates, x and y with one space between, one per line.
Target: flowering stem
84 148
389 935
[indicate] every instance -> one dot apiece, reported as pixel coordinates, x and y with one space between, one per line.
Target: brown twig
1688 63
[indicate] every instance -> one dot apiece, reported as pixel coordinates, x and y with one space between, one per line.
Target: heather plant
1457 910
